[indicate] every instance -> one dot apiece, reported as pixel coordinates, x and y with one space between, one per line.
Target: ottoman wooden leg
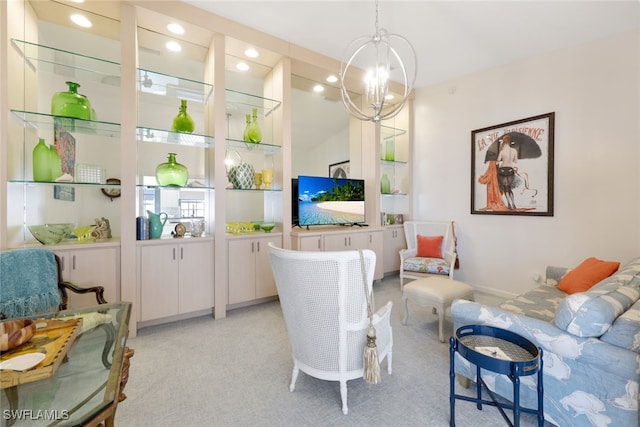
441 323
405 317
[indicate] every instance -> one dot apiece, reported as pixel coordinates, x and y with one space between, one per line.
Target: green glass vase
71 103
385 184
245 136
254 134
183 121
41 163
172 173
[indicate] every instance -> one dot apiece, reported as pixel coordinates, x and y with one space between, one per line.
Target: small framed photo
339 170
512 167
399 218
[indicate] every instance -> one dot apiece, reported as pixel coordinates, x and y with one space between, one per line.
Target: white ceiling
452 38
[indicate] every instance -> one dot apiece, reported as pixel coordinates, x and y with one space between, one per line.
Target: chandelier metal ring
377 76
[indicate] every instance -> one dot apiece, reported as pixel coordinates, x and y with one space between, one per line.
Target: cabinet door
159 281
241 271
195 276
376 244
337 242
91 267
309 243
394 241
265 283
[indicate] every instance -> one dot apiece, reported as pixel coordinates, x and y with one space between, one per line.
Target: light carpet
236 372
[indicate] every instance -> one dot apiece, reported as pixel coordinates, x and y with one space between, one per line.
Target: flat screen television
330 201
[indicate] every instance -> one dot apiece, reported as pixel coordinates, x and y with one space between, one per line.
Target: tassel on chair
371 364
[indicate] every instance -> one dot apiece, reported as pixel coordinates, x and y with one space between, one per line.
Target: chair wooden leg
343 396
294 377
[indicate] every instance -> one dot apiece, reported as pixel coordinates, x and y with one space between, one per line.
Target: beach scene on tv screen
330 201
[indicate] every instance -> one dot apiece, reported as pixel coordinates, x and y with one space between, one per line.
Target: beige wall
594 90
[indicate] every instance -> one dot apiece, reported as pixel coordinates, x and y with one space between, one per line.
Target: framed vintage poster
512 168
339 170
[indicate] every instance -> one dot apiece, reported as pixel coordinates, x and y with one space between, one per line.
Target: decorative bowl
15 332
84 233
50 234
267 226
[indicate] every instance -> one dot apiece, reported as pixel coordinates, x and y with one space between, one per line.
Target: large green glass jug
172 173
71 103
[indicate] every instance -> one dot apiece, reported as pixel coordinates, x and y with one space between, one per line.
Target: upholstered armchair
431 250
325 312
32 284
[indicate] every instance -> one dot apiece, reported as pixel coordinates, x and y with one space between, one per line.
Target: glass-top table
86 385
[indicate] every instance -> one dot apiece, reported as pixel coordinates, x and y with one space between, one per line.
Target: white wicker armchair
325 312
414 267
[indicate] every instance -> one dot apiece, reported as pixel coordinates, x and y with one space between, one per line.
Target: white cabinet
338 240
91 266
249 269
176 278
394 241
309 243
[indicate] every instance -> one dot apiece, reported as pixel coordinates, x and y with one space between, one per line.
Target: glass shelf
237 100
392 163
387 132
173 187
65 183
255 190
393 194
75 66
89 127
251 146
169 137
173 87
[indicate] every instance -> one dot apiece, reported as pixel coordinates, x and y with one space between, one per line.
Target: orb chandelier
379 58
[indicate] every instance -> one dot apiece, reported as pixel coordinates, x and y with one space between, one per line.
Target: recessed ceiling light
318 88
242 66
173 46
81 20
175 28
251 53
77 1
332 79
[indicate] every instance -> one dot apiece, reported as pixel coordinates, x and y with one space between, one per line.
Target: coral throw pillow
587 274
430 246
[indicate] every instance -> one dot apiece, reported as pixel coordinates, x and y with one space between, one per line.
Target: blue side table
500 351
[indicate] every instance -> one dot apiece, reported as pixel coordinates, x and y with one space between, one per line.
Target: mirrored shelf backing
173 86
238 101
79 68
161 136
253 146
72 125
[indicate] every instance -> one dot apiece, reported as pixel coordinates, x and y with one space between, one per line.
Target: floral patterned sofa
590 342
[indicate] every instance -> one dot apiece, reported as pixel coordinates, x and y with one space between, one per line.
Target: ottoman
436 292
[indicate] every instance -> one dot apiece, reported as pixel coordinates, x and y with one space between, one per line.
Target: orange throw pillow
587 274
430 246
